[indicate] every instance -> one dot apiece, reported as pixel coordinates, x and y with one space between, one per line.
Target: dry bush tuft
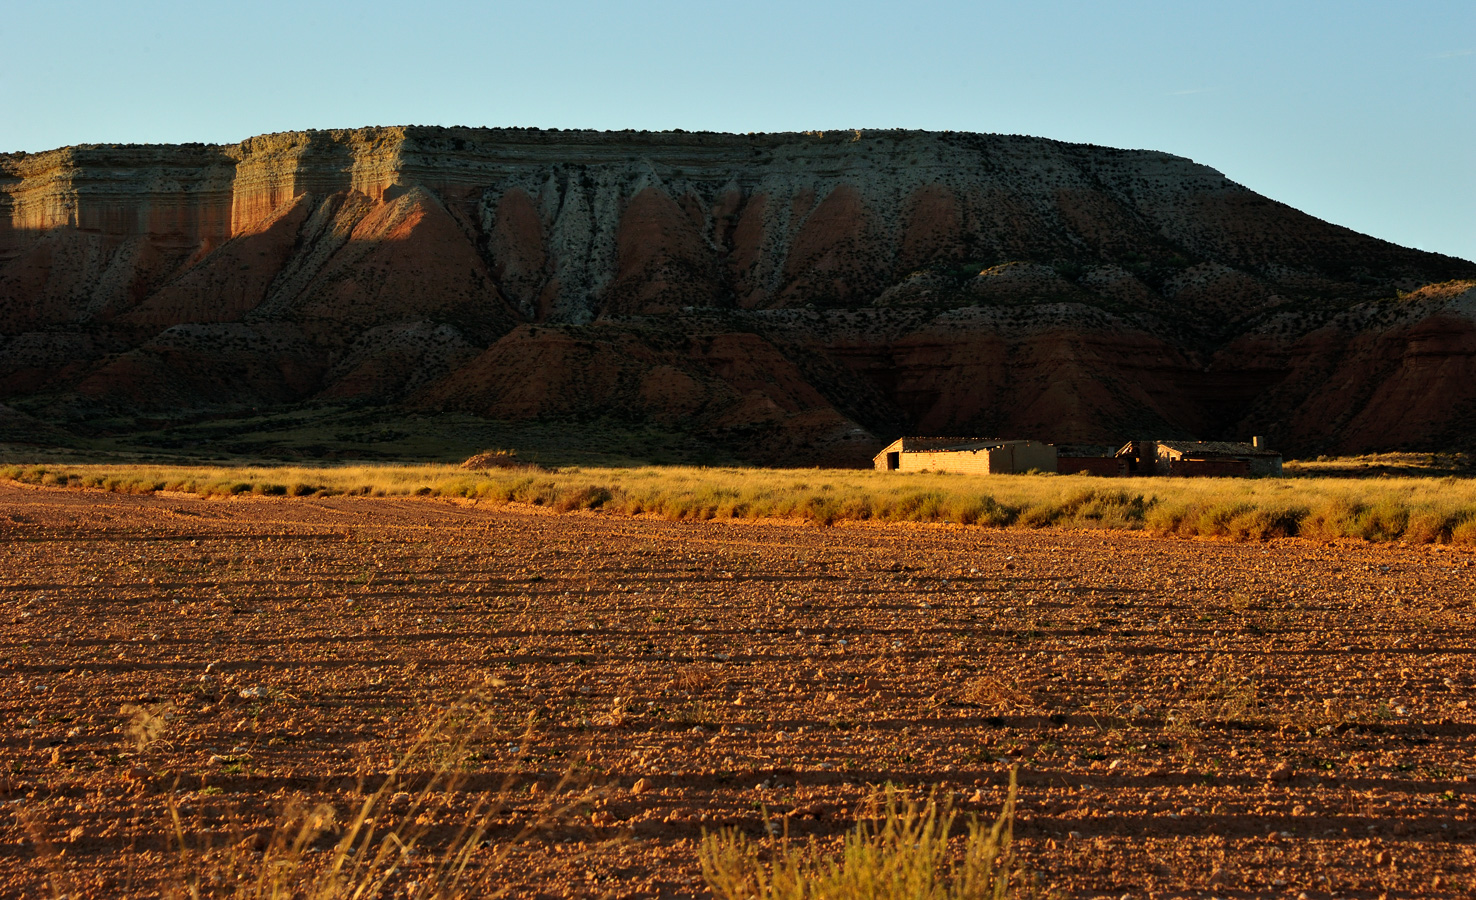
694 679
417 836
994 693
146 723
1227 699
499 459
901 850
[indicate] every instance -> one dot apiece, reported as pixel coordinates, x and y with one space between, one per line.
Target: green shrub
1383 521
1464 532
1333 519
1431 527
1104 509
1167 518
985 511
591 497
1040 515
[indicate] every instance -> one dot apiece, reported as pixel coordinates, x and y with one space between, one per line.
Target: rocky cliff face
799 296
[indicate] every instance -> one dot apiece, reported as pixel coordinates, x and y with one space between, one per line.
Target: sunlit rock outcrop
806 292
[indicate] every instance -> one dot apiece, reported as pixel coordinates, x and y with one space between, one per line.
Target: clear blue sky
1361 113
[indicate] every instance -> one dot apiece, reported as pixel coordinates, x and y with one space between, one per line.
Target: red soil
1188 718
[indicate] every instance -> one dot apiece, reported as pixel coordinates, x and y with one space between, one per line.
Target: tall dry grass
420 834
903 849
1419 510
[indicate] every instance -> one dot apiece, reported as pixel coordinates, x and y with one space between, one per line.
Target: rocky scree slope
799 297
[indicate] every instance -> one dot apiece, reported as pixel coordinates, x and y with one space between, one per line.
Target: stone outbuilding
1200 458
978 456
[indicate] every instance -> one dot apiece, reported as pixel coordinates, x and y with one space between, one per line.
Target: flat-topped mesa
272 170
80 185
819 288
181 192
832 218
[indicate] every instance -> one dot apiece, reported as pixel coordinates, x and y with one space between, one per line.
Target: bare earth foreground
1189 718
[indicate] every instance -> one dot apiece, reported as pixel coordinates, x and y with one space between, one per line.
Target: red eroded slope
66 275
932 228
516 242
191 367
735 386
406 259
233 280
663 262
1405 369
833 259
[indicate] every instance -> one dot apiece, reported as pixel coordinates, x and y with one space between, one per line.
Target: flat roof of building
1216 448
936 444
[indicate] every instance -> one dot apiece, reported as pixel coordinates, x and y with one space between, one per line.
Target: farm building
1200 458
977 455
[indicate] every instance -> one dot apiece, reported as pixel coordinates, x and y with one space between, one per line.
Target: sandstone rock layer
798 296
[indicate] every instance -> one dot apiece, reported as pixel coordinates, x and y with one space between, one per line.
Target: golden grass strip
1417 510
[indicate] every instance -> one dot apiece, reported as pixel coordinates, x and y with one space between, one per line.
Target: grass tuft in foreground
420 834
903 852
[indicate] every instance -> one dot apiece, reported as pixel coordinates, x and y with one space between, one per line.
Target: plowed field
1188 718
